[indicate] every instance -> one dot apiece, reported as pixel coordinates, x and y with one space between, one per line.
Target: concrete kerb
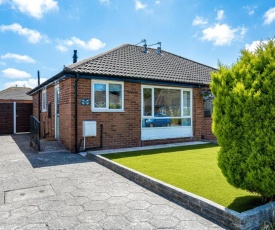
250 219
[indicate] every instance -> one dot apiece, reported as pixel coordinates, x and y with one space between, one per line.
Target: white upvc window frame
152 133
44 100
107 83
181 102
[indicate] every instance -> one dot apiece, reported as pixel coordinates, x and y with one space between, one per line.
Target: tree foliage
244 120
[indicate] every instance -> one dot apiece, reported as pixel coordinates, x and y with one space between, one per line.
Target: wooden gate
23 113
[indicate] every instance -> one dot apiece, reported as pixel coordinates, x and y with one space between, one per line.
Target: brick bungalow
134 95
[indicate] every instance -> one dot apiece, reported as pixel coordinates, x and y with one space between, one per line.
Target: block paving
85 195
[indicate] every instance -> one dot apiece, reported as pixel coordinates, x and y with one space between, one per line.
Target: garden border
250 219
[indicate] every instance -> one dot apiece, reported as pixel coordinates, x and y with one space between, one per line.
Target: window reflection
171 107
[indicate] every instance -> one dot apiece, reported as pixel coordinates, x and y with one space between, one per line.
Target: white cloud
31 83
105 2
93 44
62 48
18 58
139 5
33 8
220 15
253 46
250 9
33 36
222 34
15 73
158 2
269 16
199 21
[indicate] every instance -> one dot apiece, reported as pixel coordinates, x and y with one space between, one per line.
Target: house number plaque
85 101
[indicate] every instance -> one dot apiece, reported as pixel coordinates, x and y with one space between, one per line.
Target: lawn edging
250 219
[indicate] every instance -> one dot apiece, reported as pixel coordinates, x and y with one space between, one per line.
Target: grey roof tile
15 93
130 61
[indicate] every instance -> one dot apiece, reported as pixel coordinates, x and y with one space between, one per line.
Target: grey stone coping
109 151
228 218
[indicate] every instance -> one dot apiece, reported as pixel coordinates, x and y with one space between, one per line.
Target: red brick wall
48 122
66 111
202 128
35 105
120 129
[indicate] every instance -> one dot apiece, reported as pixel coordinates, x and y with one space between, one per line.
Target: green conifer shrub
244 120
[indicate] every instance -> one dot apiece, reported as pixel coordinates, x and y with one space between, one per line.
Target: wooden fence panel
6 118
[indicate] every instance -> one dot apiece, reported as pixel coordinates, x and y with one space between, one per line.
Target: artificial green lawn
191 168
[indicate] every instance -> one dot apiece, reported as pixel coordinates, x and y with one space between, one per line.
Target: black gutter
72 74
75 112
49 81
139 80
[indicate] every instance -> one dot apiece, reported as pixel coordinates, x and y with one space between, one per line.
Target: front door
56 96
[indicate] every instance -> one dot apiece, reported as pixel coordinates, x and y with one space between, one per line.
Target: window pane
165 122
186 122
44 100
186 103
147 102
115 96
100 95
156 122
208 107
167 102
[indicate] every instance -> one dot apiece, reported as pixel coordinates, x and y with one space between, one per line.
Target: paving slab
68 191
28 193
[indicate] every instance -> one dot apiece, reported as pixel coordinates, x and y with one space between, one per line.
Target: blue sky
42 34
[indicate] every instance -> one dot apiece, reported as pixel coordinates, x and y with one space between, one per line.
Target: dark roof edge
141 80
46 83
71 74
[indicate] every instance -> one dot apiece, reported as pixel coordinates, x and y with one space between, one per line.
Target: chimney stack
145 48
159 48
158 51
75 56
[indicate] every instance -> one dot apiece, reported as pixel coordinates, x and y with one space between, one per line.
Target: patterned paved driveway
67 191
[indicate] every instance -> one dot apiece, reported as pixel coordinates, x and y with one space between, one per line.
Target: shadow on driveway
46 159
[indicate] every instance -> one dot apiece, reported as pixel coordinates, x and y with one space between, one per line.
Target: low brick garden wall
250 219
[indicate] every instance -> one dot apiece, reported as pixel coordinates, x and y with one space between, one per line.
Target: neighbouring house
126 97
16 109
